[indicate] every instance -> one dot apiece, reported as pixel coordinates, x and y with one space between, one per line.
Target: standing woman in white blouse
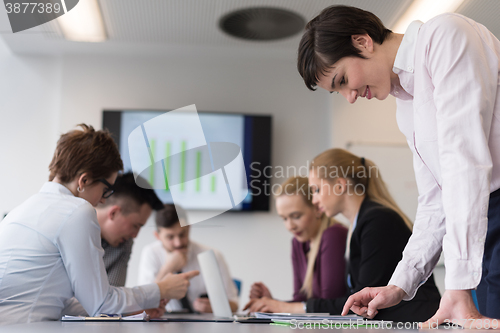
445 76
50 245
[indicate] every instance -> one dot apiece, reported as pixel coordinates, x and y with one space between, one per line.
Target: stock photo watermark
361 323
25 15
326 174
344 324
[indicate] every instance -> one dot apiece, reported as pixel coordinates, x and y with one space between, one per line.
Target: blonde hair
339 163
300 186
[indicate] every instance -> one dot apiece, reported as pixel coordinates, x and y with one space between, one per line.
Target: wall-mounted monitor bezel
256 150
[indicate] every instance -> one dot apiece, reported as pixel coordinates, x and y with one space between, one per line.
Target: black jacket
376 247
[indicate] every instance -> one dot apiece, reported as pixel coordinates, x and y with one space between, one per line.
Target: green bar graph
152 146
198 171
212 187
183 165
167 166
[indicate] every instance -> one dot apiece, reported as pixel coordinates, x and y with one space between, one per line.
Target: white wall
367 121
371 122
29 88
76 89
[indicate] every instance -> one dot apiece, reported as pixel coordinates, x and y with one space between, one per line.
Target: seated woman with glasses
50 245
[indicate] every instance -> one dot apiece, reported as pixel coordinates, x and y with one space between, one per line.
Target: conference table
165 327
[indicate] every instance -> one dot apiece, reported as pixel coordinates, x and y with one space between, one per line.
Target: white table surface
166 327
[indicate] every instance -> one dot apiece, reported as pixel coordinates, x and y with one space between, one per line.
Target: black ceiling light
262 23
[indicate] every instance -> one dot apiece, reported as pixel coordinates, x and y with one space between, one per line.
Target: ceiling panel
152 25
189 22
486 12
196 21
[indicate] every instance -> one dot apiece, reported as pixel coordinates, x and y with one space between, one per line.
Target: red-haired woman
50 245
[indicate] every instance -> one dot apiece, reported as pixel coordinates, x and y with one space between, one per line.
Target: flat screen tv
252 133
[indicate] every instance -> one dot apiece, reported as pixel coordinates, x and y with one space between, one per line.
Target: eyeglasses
110 189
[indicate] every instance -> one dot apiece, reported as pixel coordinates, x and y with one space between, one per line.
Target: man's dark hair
169 216
130 196
327 39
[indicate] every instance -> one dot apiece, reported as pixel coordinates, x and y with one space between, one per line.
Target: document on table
306 316
322 318
109 317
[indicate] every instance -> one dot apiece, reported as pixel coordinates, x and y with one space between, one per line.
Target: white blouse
449 111
50 251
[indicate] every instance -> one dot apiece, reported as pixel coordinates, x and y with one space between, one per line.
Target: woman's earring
78 189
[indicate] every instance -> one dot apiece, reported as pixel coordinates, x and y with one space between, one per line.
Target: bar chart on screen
194 166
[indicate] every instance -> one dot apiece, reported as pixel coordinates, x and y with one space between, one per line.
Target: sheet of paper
306 316
139 316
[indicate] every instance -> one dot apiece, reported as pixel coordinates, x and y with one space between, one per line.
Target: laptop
216 291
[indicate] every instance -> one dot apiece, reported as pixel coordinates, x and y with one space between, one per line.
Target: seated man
121 218
174 253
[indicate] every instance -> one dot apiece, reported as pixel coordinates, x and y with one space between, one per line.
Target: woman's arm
422 251
298 262
463 66
331 257
79 243
382 237
332 272
265 304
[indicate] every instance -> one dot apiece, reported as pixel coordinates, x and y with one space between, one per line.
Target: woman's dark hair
86 150
327 39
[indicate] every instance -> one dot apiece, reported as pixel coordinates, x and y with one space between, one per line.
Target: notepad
109 317
305 316
321 320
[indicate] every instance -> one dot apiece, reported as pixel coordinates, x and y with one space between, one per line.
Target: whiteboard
395 163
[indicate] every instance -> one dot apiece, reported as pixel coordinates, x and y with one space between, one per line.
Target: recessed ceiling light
83 23
424 10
